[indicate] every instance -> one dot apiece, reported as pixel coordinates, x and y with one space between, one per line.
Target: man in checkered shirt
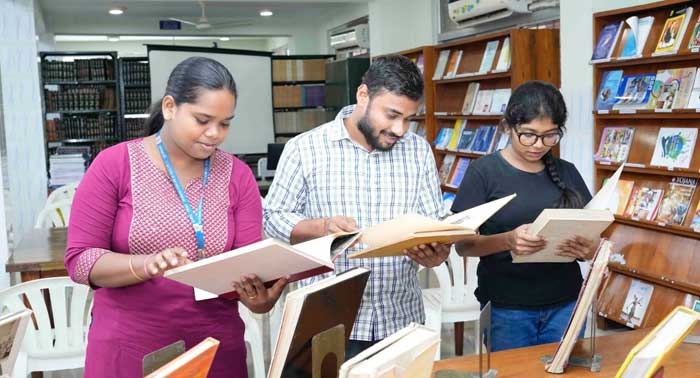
358 170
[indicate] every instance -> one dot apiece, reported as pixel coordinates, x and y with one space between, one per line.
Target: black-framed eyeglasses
530 139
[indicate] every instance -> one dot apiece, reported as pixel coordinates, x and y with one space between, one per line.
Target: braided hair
534 100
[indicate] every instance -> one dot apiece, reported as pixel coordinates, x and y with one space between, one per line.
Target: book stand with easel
484 329
593 361
328 352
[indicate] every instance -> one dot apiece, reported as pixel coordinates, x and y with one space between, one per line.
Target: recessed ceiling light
266 13
113 38
224 39
117 10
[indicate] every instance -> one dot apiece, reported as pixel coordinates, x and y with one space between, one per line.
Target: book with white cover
13 327
489 56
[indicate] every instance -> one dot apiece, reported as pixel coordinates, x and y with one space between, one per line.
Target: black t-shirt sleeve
575 181
472 190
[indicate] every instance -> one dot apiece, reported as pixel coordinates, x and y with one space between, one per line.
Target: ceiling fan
203 22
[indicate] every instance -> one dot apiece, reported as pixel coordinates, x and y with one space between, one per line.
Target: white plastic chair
253 336
65 192
55 214
45 348
454 301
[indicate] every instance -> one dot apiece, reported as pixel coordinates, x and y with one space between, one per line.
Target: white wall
577 78
22 119
138 48
396 25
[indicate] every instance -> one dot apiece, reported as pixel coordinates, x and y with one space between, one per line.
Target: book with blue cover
483 140
607 93
634 91
606 41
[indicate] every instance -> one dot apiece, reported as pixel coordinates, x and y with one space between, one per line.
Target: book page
602 199
476 216
326 246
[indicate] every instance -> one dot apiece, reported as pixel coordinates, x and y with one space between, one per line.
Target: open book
269 259
646 357
407 353
390 238
311 310
194 363
556 225
588 291
13 326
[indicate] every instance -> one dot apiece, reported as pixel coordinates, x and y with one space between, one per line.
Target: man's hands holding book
429 255
254 295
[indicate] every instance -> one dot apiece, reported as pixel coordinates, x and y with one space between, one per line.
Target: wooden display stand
655 253
328 352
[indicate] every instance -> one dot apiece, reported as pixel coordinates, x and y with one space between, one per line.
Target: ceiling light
117 10
113 38
224 39
266 13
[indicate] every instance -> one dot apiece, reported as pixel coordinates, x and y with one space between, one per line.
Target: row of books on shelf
288 96
301 120
76 98
68 164
664 203
481 140
484 101
632 34
80 128
417 128
665 90
136 72
453 169
133 128
137 100
673 149
448 63
77 70
298 69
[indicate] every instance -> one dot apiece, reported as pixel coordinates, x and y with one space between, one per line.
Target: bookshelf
657 256
81 109
135 85
533 55
298 94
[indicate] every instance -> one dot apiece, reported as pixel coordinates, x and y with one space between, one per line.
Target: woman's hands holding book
156 264
254 295
578 247
429 255
522 243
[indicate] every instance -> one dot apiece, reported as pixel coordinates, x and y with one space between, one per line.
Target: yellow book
645 359
456 133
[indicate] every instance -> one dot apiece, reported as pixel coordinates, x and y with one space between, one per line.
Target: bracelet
145 270
131 268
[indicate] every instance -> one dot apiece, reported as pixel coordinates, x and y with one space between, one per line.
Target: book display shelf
298 94
646 116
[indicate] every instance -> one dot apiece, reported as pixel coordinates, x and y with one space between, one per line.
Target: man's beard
373 140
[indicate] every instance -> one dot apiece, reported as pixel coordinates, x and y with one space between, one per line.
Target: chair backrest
454 283
65 192
56 214
263 172
70 306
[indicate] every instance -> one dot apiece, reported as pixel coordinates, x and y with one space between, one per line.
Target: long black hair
535 100
185 84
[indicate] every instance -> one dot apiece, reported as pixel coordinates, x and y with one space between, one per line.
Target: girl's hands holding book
254 295
522 243
578 247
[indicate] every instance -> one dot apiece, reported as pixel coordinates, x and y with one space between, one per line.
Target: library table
684 361
39 254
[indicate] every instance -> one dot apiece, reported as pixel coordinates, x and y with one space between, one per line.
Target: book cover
644 203
694 42
644 25
483 101
636 303
213 274
448 198
456 133
606 41
694 97
687 76
629 43
634 91
674 147
503 63
194 363
446 167
311 310
618 201
666 86
676 201
672 32
489 55
420 62
453 64
458 172
499 100
614 144
444 138
441 64
470 97
466 140
483 140
502 139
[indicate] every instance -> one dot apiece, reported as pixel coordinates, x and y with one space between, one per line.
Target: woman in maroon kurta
129 224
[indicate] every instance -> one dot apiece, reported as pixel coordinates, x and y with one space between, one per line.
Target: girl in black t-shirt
531 303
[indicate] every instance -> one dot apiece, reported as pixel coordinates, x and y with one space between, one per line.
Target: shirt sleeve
285 202
247 211
93 212
430 197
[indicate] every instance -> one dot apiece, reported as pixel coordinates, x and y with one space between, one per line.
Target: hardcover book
614 144
636 302
489 55
470 98
607 93
676 201
673 30
483 101
606 41
499 100
674 147
634 91
644 203
694 97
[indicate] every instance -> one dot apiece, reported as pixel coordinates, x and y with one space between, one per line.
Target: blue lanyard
195 218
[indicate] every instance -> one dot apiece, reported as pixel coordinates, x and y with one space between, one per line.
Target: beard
373 140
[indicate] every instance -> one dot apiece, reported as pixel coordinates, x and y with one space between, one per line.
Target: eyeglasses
530 139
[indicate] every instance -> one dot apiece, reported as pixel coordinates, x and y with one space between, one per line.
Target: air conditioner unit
358 36
466 13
